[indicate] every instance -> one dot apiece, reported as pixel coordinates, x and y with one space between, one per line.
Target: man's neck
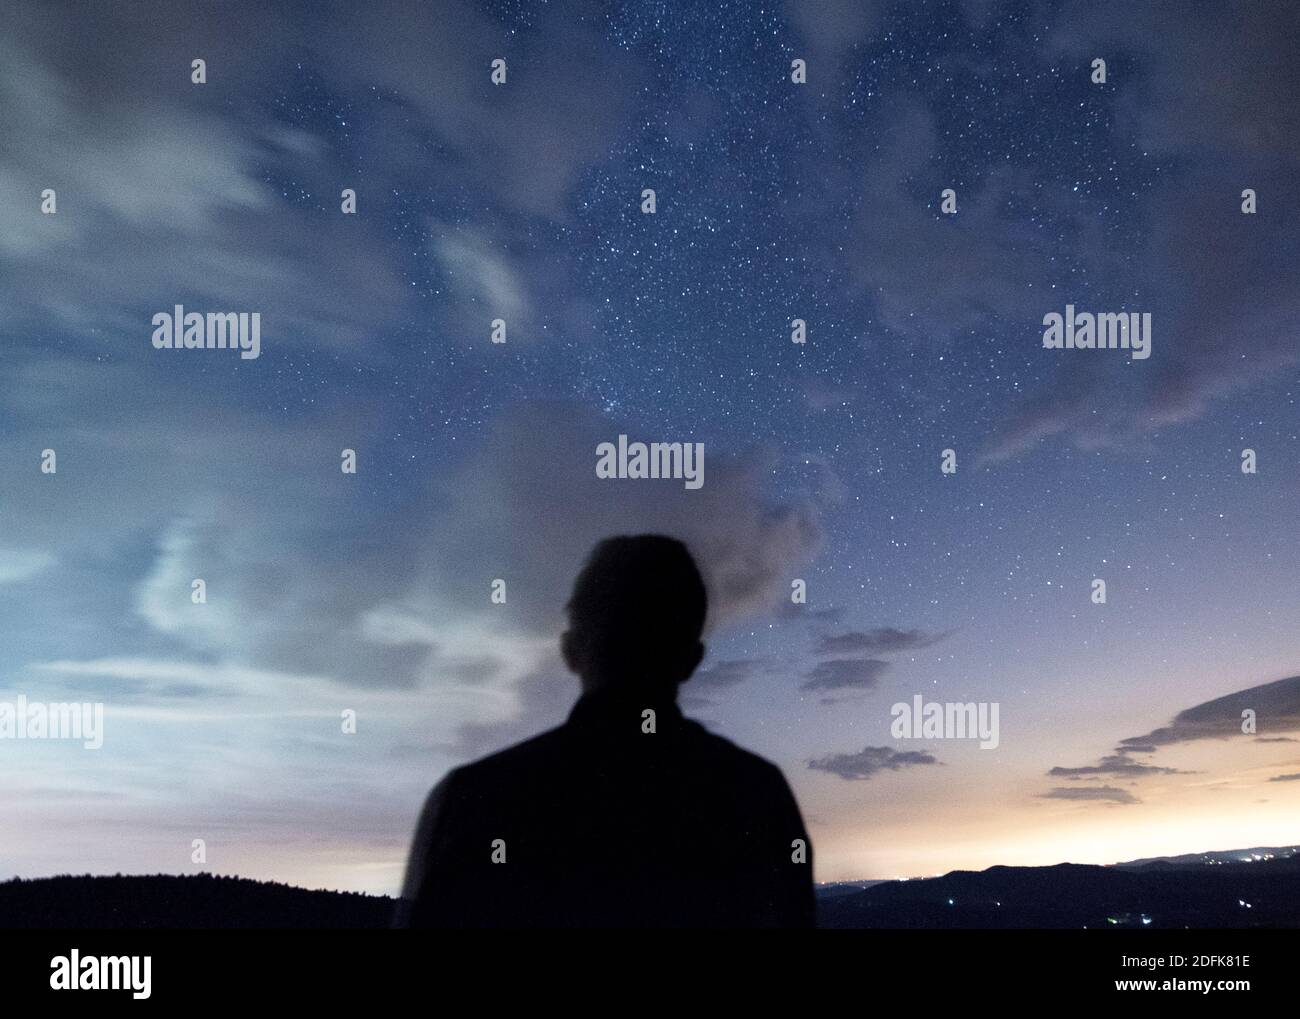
606 703
615 691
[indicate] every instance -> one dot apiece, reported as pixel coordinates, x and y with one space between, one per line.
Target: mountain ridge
1257 887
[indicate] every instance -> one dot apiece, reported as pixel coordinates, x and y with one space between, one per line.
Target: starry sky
330 592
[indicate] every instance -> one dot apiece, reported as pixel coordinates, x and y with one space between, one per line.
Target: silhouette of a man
628 814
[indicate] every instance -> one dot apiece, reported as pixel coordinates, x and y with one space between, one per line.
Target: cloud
1226 308
567 98
1101 792
831 27
1276 706
869 761
845 674
483 275
1115 764
1294 777
788 610
728 673
141 223
19 564
1226 314
529 507
540 699
255 223
882 640
144 680
377 596
988 256
822 395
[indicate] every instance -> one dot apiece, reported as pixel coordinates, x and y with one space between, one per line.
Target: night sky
330 592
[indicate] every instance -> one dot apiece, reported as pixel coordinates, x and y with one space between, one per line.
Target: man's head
636 616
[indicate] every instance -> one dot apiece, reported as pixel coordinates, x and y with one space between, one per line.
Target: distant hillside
191 901
1202 890
1155 894
1218 857
837 888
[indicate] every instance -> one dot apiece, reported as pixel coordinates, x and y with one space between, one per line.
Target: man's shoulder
756 767
535 757
508 760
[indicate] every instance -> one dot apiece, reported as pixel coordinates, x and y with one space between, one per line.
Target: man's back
600 823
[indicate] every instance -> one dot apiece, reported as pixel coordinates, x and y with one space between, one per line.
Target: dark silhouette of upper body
629 814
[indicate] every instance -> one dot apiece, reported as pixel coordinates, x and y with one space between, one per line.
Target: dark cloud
530 503
1218 97
1276 706
845 674
1106 793
528 143
1294 777
988 257
527 507
869 761
1115 764
121 124
882 640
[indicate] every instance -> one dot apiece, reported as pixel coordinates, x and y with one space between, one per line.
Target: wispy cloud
870 761
728 673
1275 707
1103 793
882 640
1115 764
839 674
